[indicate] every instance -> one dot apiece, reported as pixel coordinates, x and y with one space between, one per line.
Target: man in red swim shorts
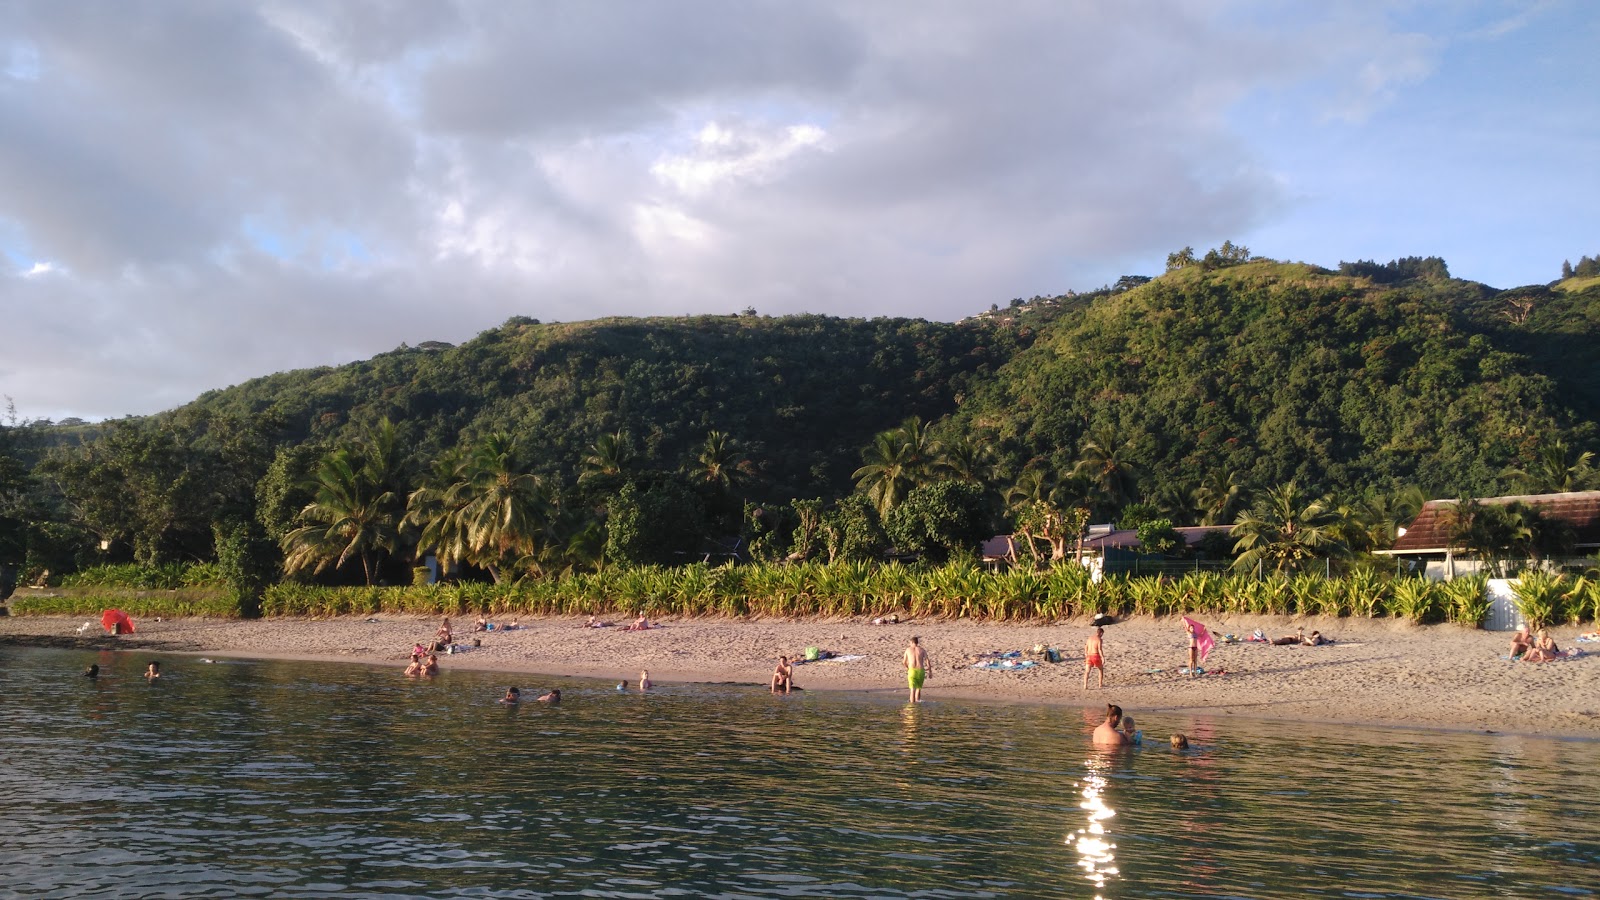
1092 659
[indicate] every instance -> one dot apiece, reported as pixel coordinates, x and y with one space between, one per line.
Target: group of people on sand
642 623
1528 648
1119 730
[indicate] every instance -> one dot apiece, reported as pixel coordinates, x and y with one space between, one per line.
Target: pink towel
1202 637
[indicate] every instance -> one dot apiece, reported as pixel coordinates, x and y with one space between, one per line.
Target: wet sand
1378 672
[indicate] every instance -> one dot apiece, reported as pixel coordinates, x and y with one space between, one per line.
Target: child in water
1135 736
644 680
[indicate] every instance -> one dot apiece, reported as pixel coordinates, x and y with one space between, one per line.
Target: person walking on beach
917 668
1109 733
1093 659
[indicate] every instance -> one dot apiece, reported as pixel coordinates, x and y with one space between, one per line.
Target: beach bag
1052 654
813 654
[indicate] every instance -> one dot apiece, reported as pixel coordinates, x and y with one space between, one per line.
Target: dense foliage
1311 409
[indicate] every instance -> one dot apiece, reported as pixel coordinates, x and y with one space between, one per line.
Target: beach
1378 671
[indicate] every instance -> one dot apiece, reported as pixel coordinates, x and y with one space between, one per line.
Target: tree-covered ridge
1271 373
801 394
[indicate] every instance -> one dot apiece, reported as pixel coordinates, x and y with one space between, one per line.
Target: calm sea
271 779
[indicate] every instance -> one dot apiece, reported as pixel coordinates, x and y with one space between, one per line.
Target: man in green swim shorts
917 668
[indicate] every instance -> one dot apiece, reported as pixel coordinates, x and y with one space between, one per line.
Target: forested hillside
1266 372
1184 398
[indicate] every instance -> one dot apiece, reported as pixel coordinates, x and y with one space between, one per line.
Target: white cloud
214 177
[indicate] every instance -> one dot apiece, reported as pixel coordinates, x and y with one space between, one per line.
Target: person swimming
552 696
153 672
513 695
93 671
1180 742
644 680
1109 733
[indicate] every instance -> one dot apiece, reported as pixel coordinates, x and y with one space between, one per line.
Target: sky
193 194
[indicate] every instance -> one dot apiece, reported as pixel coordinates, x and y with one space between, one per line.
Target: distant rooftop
1430 531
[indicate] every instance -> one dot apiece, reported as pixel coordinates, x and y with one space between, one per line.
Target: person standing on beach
1093 648
917 668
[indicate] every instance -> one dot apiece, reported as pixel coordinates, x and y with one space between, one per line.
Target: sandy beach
1378 672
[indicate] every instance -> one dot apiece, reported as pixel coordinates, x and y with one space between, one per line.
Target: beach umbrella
116 621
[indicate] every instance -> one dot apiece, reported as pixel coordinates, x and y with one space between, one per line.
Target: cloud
227 190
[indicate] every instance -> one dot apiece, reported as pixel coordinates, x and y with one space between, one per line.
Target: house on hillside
1426 546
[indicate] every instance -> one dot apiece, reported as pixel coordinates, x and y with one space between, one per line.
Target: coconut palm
1217 497
610 458
509 510
887 474
1285 528
1108 462
350 516
968 459
719 460
1555 469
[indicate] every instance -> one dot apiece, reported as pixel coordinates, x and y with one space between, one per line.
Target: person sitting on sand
443 634
551 696
1131 731
481 625
1543 650
1109 733
1520 642
1180 742
783 675
640 624
644 680
430 666
513 695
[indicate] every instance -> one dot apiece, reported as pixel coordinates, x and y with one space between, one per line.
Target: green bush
1540 597
176 604
136 577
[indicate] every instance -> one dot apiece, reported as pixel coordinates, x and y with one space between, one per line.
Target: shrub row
91 603
955 591
135 577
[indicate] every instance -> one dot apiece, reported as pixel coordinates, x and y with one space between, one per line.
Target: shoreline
1379 672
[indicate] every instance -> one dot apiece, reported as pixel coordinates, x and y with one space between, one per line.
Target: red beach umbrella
116 621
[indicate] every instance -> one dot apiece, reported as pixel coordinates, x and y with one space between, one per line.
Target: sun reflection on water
1096 853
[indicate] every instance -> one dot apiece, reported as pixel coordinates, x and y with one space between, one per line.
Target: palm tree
1555 470
1109 464
1217 497
968 459
485 508
350 515
719 460
510 508
886 476
924 450
611 457
1284 529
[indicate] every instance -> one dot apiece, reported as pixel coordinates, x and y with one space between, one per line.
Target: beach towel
995 665
837 658
1202 637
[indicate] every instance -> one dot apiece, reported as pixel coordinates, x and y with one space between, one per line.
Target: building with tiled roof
1427 538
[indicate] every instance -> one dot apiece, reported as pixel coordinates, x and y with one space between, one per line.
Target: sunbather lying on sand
594 622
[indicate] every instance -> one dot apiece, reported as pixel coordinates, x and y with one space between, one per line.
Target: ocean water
274 779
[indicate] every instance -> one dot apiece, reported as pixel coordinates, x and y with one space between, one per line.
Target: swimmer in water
1180 742
1131 731
93 671
1109 733
553 696
513 695
644 680
153 672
